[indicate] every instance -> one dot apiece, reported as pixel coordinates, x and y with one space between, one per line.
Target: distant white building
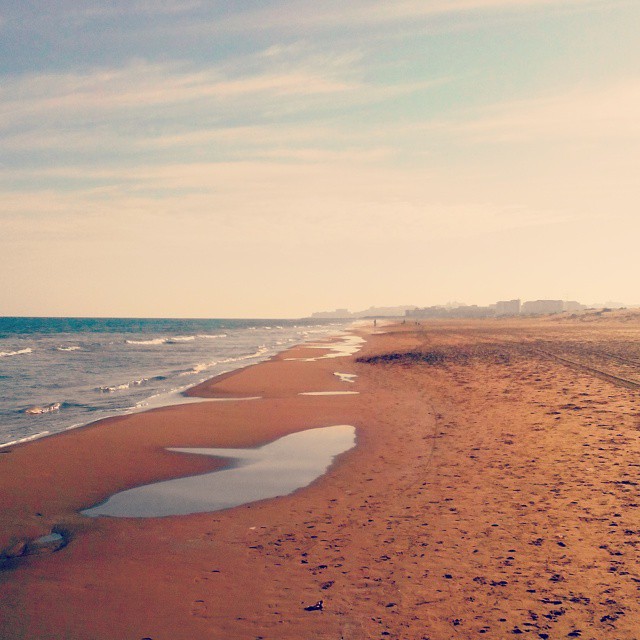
540 307
508 307
337 314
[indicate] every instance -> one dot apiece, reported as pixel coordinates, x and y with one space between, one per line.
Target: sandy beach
493 491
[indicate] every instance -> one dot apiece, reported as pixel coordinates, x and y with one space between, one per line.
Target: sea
61 373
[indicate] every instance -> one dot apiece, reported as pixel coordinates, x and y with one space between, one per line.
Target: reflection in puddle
275 469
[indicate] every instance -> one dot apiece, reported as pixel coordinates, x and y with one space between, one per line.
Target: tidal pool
275 469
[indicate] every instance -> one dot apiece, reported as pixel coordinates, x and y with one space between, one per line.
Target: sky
184 158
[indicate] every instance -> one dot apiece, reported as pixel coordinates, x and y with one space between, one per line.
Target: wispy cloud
144 7
580 113
363 13
143 85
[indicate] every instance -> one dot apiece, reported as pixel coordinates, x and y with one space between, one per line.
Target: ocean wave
260 352
197 368
175 339
122 387
55 406
148 342
6 354
73 348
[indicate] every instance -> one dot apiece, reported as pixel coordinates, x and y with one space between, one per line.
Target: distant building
338 313
466 311
371 312
572 305
541 307
388 312
508 308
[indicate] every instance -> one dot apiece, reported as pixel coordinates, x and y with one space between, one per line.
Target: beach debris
14 550
50 543
46 409
315 607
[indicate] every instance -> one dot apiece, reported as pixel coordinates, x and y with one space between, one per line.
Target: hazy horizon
616 305
270 159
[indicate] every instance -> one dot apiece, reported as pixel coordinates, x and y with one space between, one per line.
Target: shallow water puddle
347 346
329 393
275 469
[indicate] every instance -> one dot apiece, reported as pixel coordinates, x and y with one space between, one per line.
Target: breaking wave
157 341
260 352
123 387
198 368
6 354
153 341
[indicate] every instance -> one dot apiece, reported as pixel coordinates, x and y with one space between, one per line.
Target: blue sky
188 158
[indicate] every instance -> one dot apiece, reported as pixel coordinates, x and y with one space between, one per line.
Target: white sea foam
122 387
45 409
27 439
6 354
202 366
73 348
172 340
177 339
214 335
261 351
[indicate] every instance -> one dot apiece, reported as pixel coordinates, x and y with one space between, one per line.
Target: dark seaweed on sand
458 355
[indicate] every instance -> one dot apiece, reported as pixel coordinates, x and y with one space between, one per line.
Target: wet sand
493 492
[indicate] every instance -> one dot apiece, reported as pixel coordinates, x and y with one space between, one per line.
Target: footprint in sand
199 609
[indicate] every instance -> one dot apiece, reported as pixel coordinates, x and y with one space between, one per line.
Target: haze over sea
57 373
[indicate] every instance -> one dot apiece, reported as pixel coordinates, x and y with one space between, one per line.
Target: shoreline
167 464
105 373
177 396
491 492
